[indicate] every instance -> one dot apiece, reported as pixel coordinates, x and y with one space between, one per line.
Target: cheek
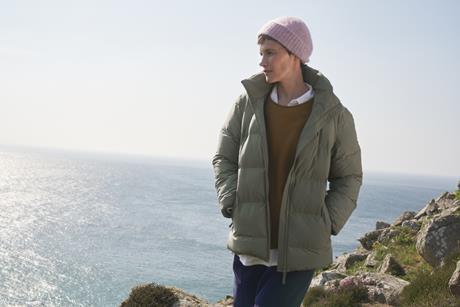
275 66
282 67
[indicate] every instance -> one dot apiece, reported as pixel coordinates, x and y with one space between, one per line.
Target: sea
82 229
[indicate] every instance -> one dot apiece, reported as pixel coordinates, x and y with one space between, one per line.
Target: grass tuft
457 194
402 248
431 288
150 295
352 296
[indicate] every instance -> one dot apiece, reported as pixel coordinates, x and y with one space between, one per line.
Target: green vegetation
428 286
402 248
351 296
457 194
150 295
358 266
457 211
431 288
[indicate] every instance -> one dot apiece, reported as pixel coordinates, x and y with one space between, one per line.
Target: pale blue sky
158 78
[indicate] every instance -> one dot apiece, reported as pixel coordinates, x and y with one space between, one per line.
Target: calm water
82 230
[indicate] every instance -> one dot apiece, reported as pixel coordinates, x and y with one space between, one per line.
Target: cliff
414 261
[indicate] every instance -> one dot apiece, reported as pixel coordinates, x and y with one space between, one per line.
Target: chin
269 80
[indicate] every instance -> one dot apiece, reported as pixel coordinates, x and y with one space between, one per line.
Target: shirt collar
299 100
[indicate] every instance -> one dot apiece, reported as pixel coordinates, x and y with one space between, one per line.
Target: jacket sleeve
345 173
225 161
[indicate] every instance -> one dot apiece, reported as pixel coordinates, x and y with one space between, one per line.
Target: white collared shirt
299 100
251 260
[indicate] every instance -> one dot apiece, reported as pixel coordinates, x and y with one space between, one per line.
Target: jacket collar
257 89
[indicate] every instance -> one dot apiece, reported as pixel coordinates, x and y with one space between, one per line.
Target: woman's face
275 61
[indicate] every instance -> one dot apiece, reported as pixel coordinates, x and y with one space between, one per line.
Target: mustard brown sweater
284 125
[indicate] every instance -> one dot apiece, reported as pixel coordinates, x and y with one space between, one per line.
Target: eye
268 52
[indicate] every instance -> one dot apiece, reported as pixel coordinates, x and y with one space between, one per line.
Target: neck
291 87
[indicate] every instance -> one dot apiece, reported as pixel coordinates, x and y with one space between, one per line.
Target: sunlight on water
82 231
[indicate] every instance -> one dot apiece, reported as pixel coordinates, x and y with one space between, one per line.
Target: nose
263 61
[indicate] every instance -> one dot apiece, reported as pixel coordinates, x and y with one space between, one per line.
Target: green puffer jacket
327 150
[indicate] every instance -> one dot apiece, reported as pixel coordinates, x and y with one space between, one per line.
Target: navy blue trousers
261 286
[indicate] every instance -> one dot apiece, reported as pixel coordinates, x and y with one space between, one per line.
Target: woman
285 137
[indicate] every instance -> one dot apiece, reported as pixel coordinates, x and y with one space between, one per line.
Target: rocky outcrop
387 234
436 231
371 261
164 296
454 282
381 288
346 261
412 224
406 215
369 238
381 225
439 238
430 209
323 277
435 228
446 203
391 266
381 235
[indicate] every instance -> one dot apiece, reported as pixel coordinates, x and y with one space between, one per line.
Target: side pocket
234 224
326 218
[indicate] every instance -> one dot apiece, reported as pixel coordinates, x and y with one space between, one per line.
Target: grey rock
381 225
454 282
370 261
170 296
331 285
455 209
430 209
326 276
446 201
438 239
406 215
391 266
369 238
388 234
345 261
382 288
412 224
382 235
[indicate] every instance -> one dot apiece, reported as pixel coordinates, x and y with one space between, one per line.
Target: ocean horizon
82 229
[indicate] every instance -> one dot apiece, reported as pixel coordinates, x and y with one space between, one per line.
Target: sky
157 78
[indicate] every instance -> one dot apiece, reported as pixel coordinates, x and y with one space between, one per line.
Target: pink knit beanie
292 33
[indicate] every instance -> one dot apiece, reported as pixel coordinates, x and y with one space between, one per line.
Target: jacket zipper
288 183
286 214
267 209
